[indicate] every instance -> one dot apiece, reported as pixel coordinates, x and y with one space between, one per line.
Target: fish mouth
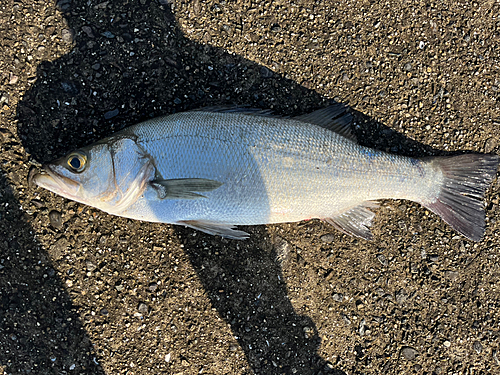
49 179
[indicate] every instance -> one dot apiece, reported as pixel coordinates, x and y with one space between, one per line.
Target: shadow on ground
130 62
40 327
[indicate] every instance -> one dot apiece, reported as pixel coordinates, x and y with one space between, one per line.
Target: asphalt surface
82 292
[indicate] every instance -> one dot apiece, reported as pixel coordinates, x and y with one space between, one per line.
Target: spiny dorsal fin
356 221
237 109
334 117
215 228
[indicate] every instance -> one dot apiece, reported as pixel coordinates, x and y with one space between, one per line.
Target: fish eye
77 161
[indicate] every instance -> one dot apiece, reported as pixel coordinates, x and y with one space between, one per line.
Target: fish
214 169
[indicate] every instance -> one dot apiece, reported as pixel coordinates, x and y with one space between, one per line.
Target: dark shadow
40 329
120 72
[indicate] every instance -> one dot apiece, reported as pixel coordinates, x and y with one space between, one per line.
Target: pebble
88 30
401 296
143 308
110 114
67 35
153 286
490 145
90 266
13 79
409 353
451 275
478 347
265 72
362 327
338 297
108 34
4 98
55 219
328 238
447 344
282 249
382 259
168 357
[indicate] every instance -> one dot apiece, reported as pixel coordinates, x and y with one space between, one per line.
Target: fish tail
460 201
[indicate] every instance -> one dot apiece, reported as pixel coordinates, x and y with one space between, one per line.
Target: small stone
407 67
417 368
110 114
409 353
382 259
328 238
490 145
90 266
494 354
72 367
338 297
265 72
433 258
401 296
362 327
282 249
57 250
143 308
4 98
69 283
233 347
67 35
88 30
13 79
119 287
177 101
96 66
108 34
153 286
451 275
55 219
168 357
478 347
69 87
447 344
104 311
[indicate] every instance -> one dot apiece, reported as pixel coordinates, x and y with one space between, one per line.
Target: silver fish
213 169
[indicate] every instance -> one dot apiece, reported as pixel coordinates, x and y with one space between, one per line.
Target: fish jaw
57 183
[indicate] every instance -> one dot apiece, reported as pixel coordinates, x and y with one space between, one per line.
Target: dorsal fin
334 117
237 109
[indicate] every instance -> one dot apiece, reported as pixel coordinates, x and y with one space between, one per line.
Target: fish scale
214 168
271 171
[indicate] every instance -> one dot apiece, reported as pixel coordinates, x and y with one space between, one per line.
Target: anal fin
215 228
356 221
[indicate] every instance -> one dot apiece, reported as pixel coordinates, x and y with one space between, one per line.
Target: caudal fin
460 202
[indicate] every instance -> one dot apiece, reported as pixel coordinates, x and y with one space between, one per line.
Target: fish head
109 175
84 175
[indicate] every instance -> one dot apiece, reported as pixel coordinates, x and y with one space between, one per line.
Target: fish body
214 169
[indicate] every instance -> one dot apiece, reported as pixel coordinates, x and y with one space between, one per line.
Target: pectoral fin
356 221
184 188
215 228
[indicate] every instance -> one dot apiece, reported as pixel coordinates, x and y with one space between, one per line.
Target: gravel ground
86 293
